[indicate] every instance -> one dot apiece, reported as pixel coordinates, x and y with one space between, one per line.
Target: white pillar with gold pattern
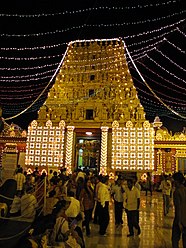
104 141
69 148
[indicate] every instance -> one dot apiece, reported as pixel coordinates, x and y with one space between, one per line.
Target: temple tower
94 92
93 86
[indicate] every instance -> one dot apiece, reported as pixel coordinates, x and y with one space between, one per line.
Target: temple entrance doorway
88 147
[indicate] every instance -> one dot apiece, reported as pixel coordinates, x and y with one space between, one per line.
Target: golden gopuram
92 117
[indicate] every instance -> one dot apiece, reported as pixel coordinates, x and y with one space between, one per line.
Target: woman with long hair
87 203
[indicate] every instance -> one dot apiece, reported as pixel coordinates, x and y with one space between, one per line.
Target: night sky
34 36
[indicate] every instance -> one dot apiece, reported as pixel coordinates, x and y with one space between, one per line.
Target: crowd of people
74 203
94 193
29 195
77 201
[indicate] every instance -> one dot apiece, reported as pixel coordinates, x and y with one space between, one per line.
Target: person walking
166 186
131 205
148 184
97 203
171 180
117 193
179 199
138 186
104 199
87 203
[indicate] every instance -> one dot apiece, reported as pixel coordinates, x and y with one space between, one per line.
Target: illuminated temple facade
169 151
92 117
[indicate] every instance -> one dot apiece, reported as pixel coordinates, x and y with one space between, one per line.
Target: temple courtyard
155 228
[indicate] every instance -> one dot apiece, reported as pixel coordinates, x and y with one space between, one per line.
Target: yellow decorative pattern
45 145
132 148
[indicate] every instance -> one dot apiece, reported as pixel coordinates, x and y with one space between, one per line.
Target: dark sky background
34 36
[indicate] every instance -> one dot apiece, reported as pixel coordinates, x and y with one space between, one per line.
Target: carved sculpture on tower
93 85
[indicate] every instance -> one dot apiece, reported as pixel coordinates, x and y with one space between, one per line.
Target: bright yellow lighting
136 152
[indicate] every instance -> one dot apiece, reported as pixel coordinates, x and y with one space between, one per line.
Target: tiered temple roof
93 86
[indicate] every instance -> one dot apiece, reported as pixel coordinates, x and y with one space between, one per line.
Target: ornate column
62 139
104 141
69 148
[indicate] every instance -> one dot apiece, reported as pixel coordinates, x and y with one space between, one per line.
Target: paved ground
155 228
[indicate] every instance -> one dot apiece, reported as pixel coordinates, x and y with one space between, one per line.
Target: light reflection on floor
155 228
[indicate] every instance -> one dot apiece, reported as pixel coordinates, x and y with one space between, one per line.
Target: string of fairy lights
125 38
164 69
110 57
133 44
175 102
28 76
28 68
23 111
32 58
170 60
101 25
69 73
137 6
181 32
172 44
33 82
154 94
158 75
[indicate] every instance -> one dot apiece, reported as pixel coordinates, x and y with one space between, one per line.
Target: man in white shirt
73 212
132 203
104 198
166 186
74 208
